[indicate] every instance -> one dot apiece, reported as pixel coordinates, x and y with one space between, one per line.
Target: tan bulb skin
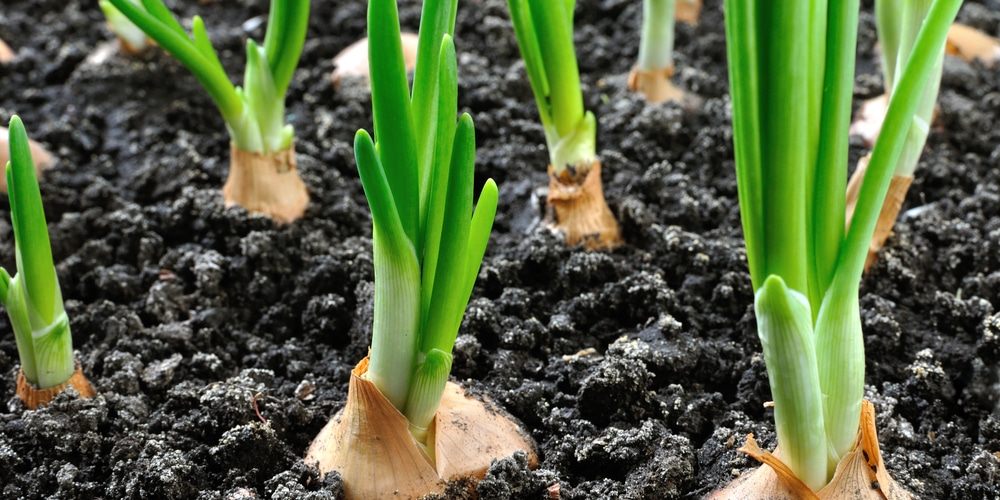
581 212
969 44
36 398
269 184
370 445
352 62
6 54
861 474
655 85
894 198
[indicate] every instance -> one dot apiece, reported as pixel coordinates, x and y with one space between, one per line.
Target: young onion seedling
262 169
544 30
899 22
402 415
651 75
32 297
791 69
133 40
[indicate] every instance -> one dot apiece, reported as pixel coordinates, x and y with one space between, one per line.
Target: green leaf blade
784 135
435 185
31 234
902 106
288 21
446 305
553 30
744 83
394 129
437 21
479 231
828 202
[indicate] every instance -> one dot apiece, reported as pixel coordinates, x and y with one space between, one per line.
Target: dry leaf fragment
969 44
688 11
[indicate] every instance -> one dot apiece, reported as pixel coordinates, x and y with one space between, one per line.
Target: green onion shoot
651 74
405 430
133 40
898 23
262 174
428 241
791 71
32 298
544 30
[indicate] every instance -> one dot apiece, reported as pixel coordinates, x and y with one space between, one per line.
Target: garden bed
220 344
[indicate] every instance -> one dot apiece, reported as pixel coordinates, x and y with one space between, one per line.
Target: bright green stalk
899 22
32 297
791 76
841 364
784 94
902 106
393 117
544 30
742 50
428 241
656 44
254 115
784 324
827 205
397 282
438 21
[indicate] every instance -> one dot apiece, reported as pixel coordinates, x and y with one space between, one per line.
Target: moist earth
220 343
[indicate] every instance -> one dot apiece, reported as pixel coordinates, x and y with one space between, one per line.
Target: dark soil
638 371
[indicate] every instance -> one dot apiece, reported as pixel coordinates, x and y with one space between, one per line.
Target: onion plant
254 113
791 69
651 74
405 431
132 38
32 297
418 178
544 30
898 22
